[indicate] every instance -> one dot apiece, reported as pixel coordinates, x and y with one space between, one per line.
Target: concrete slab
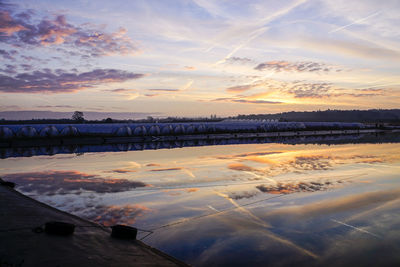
90 245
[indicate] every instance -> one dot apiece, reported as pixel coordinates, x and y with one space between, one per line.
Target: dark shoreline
79 145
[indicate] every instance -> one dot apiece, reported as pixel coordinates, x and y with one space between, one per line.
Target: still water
251 204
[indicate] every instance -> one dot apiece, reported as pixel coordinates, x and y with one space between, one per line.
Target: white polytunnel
49 131
179 129
140 130
123 131
201 128
190 129
210 128
6 133
27 131
154 130
167 129
69 131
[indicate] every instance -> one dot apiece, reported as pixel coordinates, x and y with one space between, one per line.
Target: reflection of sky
323 204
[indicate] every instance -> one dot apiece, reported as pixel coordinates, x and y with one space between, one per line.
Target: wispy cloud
304 66
355 22
261 28
61 81
55 106
239 60
8 54
128 94
163 90
189 68
241 88
245 101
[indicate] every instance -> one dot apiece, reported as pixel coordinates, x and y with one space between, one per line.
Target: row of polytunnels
63 130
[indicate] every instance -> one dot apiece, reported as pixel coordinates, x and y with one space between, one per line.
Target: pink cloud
85 40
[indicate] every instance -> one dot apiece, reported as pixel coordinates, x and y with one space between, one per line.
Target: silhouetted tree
78 116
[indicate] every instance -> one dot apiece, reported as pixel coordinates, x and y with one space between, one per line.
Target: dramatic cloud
69 182
310 90
8 25
61 81
304 66
85 40
296 89
323 90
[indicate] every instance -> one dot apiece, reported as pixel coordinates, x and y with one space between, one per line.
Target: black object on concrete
59 228
123 232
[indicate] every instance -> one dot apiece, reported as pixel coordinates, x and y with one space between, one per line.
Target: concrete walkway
88 246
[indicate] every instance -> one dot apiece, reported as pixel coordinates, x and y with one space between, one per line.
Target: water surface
254 204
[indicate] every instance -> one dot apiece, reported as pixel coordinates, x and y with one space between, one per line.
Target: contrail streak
356 228
211 207
261 29
355 22
261 223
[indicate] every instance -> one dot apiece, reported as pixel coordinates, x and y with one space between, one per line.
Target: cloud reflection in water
69 182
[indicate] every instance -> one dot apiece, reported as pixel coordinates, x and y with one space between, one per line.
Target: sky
199 57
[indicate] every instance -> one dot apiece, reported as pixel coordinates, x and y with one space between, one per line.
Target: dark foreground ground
88 246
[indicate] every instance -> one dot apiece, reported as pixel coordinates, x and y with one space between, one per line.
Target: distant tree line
78 117
372 115
366 116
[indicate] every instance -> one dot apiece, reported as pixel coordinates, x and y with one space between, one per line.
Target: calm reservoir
245 204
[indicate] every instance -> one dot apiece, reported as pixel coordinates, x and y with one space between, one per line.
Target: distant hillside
372 115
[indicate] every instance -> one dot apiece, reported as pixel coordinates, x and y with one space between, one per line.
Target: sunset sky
199 57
